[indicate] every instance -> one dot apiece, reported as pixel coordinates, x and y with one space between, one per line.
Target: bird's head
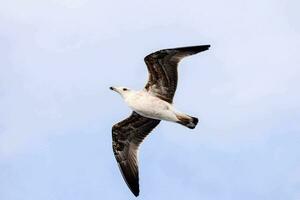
123 91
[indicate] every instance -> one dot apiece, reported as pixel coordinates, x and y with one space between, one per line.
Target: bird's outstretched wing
162 68
127 135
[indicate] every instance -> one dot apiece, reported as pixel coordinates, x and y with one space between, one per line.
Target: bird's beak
112 88
115 89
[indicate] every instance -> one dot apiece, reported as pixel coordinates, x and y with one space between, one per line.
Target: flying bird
150 106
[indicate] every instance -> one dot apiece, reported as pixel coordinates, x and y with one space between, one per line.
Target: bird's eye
124 89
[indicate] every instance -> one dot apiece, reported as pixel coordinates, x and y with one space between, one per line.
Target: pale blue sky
58 58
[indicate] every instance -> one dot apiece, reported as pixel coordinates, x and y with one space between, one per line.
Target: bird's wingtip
194 49
204 47
134 189
136 193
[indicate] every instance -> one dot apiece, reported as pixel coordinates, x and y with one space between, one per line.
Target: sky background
59 57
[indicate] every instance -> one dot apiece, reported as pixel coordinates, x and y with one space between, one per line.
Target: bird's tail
186 120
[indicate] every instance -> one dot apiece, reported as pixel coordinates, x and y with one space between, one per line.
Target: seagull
150 106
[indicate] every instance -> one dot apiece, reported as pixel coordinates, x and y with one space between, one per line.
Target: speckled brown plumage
162 68
127 136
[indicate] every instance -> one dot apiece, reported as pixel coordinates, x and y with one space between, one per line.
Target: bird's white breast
150 106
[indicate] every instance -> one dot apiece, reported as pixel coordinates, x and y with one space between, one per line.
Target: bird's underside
128 134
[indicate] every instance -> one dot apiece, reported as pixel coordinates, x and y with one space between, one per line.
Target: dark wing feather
162 68
127 135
